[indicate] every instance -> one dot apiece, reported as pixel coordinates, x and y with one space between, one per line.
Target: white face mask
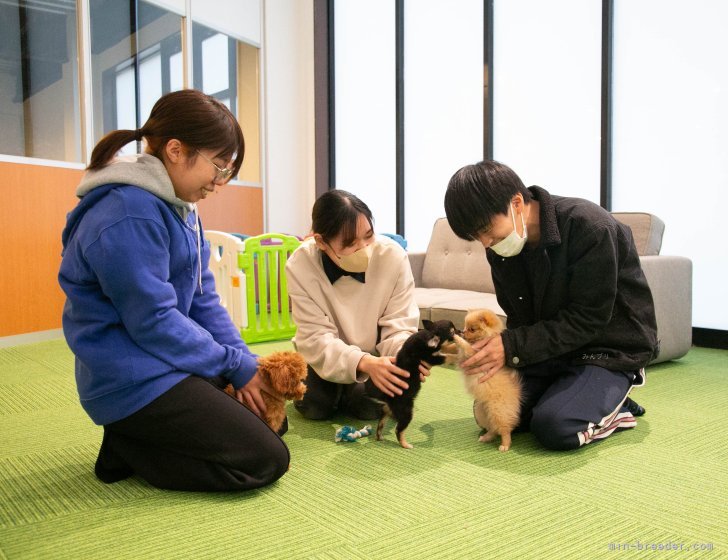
358 261
514 243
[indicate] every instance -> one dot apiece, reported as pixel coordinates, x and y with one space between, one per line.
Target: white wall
237 18
288 112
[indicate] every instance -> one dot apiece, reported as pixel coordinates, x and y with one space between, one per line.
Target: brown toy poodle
284 372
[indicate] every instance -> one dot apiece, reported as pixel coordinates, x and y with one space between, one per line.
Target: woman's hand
489 358
424 370
385 375
251 394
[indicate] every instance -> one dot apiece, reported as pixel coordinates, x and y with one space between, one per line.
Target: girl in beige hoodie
353 303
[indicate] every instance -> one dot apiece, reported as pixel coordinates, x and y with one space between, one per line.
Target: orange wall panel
233 209
37 199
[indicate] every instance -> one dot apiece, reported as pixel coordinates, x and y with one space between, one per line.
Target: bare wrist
363 364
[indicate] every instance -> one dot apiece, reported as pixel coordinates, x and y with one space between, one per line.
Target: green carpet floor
663 484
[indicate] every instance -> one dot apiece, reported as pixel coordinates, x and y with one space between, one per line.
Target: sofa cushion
647 230
457 316
454 263
463 299
440 303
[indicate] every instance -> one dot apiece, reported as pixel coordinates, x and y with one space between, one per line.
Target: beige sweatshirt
336 325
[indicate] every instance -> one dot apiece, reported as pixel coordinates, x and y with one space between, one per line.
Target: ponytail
108 147
194 118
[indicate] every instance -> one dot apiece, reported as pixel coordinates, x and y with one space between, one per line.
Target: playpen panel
264 261
229 279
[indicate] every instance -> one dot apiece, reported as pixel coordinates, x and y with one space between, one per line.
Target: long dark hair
337 212
194 118
477 193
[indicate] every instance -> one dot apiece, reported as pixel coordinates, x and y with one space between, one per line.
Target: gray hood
141 170
146 172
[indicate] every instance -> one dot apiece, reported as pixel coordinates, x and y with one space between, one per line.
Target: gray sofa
453 276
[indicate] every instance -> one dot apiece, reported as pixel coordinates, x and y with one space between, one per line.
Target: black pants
559 405
323 399
195 437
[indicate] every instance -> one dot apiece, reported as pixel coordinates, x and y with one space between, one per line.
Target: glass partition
547 96
671 133
443 90
39 94
365 106
228 69
131 70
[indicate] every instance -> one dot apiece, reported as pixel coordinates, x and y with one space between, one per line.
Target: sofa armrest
417 262
671 282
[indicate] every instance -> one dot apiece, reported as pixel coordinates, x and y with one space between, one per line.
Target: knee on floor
280 461
553 432
271 462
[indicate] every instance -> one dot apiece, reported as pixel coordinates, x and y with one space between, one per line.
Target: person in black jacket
580 315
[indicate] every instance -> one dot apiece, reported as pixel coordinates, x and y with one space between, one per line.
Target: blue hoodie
141 312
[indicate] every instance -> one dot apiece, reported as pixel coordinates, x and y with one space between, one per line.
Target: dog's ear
286 370
429 325
297 371
273 369
491 319
298 391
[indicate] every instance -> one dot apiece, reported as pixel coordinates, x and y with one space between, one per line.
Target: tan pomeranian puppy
497 401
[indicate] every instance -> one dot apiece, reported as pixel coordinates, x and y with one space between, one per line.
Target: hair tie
138 135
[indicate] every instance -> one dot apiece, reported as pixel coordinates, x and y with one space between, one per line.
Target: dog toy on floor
348 433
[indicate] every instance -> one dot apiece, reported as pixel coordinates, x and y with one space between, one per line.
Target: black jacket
580 296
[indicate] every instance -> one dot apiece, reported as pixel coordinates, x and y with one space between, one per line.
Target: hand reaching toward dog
384 373
490 356
250 394
424 370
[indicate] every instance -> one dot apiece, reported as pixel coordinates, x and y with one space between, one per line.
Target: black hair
337 212
477 193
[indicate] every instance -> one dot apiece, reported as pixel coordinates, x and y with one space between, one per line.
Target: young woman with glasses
153 345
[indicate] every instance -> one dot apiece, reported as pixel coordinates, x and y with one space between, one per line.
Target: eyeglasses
223 173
